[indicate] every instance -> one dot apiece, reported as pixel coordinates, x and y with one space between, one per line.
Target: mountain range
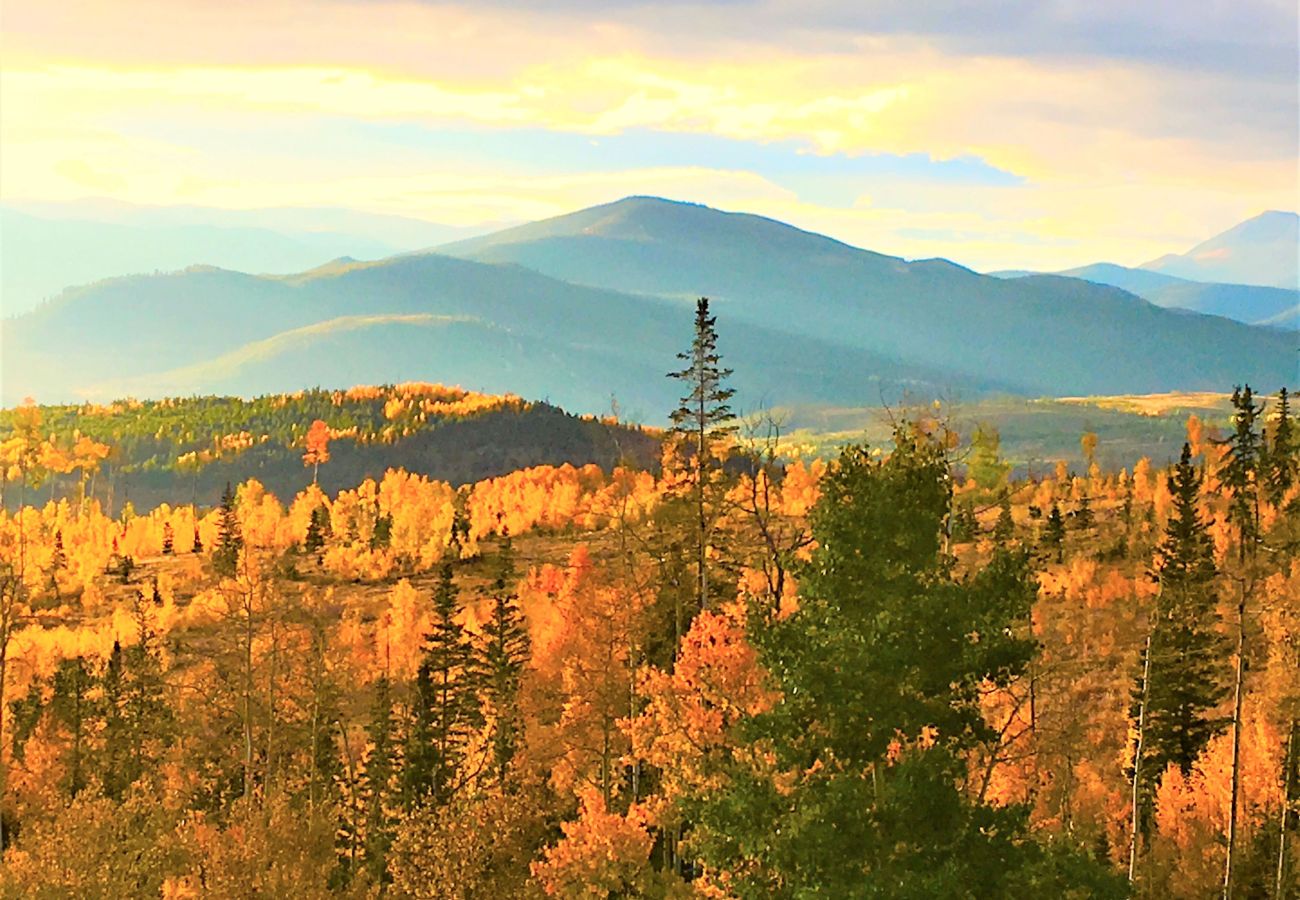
44 248
1264 251
590 308
1247 273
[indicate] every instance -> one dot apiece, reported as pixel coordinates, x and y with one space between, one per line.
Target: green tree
225 556
880 672
1185 679
503 652
446 704
1005 528
1054 532
701 419
1239 473
987 468
378 783
1282 450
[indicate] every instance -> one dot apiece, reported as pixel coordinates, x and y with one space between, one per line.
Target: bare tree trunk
1134 827
1236 743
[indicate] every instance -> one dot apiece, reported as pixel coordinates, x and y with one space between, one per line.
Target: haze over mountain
1255 305
46 248
595 304
1262 251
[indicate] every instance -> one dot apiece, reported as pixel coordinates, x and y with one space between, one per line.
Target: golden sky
998 134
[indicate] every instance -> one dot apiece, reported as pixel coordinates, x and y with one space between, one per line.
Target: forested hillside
905 672
150 452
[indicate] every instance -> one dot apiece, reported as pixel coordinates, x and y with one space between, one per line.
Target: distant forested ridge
189 448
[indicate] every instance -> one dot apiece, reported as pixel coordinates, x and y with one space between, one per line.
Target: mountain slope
40 257
802 318
1254 305
428 317
1045 335
1261 251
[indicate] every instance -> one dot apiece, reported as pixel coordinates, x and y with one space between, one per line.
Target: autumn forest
674 663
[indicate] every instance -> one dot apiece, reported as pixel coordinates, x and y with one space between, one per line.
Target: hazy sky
1000 134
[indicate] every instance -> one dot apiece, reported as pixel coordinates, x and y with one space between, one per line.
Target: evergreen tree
1083 518
880 648
987 468
1281 462
1240 471
378 783
317 529
1005 529
446 703
225 558
72 707
1185 681
198 541
503 652
1054 532
701 419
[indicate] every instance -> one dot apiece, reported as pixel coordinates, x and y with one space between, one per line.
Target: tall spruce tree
1186 678
378 783
1239 473
503 652
225 556
701 419
446 704
1240 477
1282 449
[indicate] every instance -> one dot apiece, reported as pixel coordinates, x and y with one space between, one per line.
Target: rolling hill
596 304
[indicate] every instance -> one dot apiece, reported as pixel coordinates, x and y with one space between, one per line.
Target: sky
997 133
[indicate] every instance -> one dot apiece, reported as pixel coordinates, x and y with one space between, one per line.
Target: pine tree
1240 476
378 782
1054 532
1282 450
1005 529
198 541
317 529
225 558
1083 518
503 652
1185 679
446 704
72 706
1240 471
702 419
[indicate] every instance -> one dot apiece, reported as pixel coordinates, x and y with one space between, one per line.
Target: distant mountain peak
1263 250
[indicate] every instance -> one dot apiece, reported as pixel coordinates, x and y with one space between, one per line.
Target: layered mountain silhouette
1262 251
1255 305
592 306
51 246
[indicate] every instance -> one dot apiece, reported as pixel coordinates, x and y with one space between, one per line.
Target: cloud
997 133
